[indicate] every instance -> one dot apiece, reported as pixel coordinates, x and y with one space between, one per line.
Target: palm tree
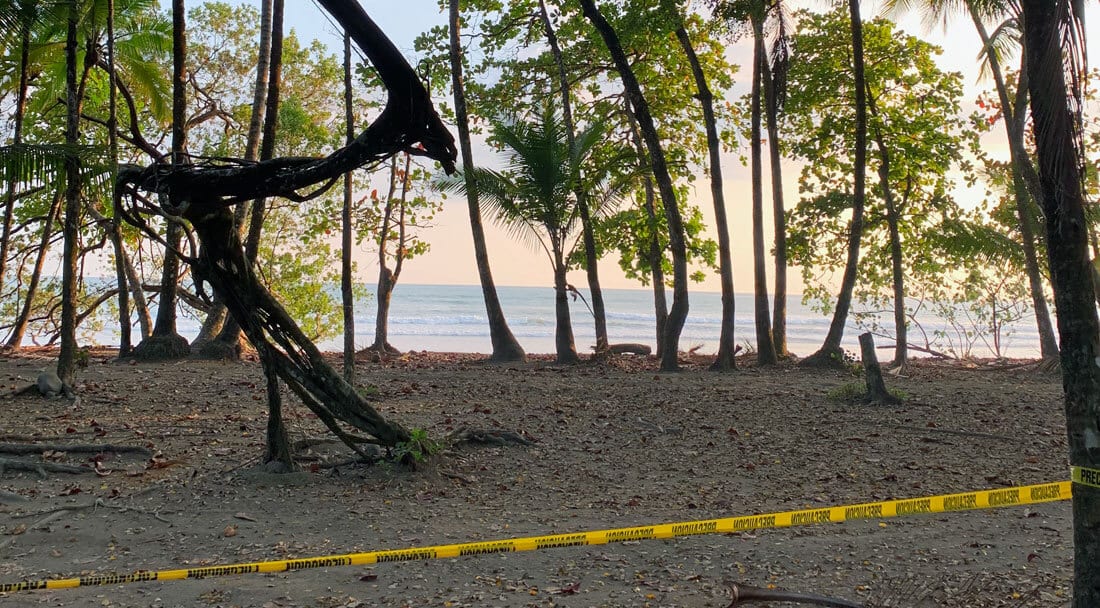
765 348
505 345
1054 42
535 196
773 72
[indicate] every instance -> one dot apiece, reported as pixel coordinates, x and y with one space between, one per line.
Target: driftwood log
203 195
629 348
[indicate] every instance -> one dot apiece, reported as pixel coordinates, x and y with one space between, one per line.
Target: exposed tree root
162 348
20 449
41 468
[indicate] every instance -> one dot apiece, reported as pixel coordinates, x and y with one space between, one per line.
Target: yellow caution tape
1085 476
985 499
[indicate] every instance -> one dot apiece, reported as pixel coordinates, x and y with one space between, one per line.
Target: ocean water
451 318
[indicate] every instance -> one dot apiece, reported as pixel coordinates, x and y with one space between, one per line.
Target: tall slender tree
830 353
727 348
773 84
66 358
227 344
347 294
1054 39
591 256
679 311
765 348
505 345
165 342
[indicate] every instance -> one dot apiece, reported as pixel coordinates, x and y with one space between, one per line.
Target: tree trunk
271 124
724 360
228 343
17 139
563 326
653 252
125 340
893 214
872 371
386 277
286 353
1060 153
141 305
591 259
347 294
165 342
678 314
19 327
779 216
830 353
205 194
765 349
384 296
1025 185
66 358
505 345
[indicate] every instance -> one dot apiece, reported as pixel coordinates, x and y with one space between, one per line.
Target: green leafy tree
392 224
1011 106
916 140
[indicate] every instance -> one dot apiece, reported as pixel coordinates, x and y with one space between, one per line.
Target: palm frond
32 165
1004 42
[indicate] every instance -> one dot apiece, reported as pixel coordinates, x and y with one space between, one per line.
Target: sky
451 259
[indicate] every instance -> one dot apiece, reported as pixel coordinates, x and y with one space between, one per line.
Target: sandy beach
614 444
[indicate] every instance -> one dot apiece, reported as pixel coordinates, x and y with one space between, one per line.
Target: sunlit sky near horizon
451 259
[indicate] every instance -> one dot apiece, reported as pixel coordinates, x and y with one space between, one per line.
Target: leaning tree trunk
19 326
830 353
678 314
765 349
893 218
505 345
1025 185
203 195
17 139
1061 173
66 358
591 257
727 348
563 326
166 343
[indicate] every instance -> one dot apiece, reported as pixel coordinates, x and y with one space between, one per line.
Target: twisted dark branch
408 122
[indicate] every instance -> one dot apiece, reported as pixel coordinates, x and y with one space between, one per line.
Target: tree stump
876 387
